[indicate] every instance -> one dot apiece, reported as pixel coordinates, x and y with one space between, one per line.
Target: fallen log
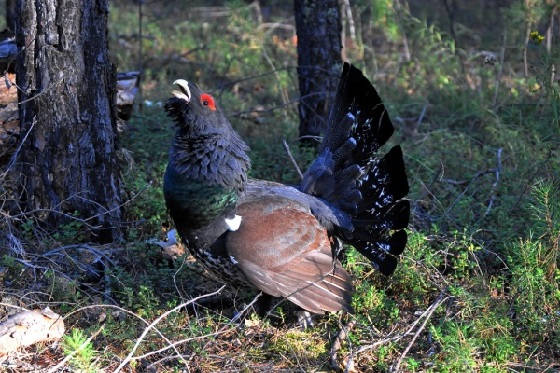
26 328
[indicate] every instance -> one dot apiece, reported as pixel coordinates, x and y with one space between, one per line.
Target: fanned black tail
349 176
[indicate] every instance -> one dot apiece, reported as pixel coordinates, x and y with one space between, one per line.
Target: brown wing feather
284 251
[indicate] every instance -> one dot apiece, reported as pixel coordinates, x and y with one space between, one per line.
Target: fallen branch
127 89
379 343
26 328
13 306
337 344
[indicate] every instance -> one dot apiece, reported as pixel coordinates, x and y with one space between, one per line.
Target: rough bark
68 162
318 27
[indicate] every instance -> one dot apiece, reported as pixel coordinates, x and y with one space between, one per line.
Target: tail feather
385 182
358 103
347 174
384 253
377 222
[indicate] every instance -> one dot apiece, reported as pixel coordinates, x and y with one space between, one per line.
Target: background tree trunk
68 162
318 27
11 15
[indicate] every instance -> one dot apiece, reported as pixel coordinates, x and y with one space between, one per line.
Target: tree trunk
11 15
318 26
67 164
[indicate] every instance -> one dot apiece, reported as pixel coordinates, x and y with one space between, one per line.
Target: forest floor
477 288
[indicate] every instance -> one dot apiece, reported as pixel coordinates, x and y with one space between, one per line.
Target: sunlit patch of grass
298 344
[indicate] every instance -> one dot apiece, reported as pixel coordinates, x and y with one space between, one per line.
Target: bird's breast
195 203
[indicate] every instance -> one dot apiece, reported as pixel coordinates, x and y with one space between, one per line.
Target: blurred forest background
473 90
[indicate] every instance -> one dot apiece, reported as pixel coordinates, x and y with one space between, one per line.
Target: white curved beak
184 92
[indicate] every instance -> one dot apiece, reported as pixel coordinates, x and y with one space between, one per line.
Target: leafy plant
83 352
534 266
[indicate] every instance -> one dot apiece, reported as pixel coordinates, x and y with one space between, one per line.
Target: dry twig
428 313
155 322
227 327
337 344
394 338
124 311
287 147
495 185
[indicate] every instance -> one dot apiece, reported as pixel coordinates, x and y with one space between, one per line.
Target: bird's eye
207 100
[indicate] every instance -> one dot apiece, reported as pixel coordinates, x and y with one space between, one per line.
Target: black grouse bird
285 240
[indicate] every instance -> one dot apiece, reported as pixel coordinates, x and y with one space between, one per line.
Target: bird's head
195 111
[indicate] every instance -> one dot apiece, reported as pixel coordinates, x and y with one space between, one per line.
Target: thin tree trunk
67 164
529 25
525 48
318 26
349 19
140 55
406 50
451 11
367 36
550 29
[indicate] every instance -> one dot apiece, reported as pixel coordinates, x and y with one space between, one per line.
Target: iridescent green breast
195 203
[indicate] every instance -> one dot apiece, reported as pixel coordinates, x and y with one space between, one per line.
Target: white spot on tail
233 224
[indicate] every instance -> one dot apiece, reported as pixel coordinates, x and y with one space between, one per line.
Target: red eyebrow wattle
207 100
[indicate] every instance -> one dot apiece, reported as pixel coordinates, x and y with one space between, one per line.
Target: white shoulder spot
234 223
